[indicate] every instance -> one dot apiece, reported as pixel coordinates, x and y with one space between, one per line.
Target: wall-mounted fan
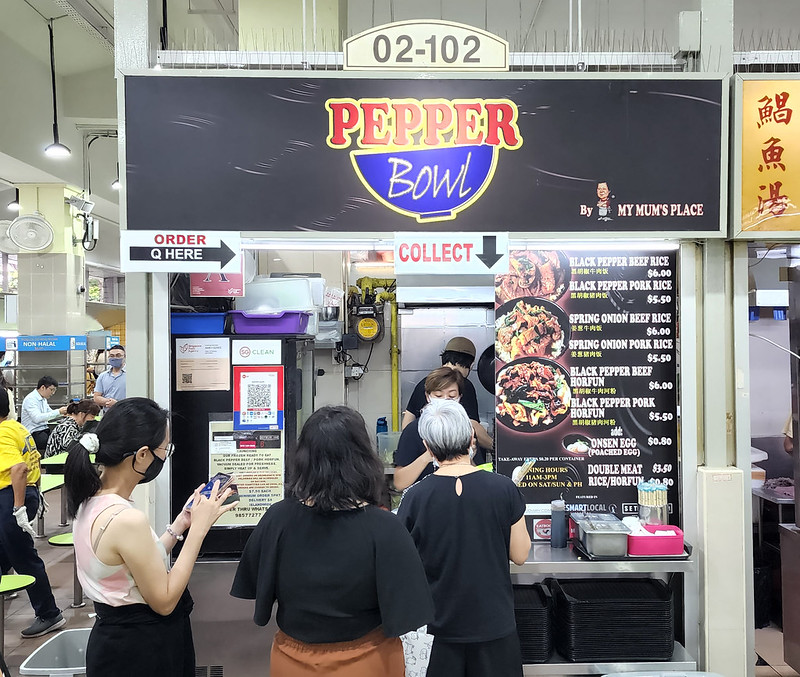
6 245
31 233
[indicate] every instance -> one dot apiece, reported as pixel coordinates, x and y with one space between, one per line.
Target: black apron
133 640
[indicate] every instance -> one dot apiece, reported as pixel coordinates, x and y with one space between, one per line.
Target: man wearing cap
459 354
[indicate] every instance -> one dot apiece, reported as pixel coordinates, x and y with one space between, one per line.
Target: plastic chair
66 541
63 655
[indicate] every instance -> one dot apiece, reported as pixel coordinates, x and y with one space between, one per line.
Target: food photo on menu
586 375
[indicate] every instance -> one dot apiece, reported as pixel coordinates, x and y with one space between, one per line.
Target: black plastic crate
613 619
532 609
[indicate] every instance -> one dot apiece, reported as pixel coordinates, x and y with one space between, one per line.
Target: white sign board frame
166 251
450 253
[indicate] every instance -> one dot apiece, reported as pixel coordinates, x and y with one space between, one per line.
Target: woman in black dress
466 523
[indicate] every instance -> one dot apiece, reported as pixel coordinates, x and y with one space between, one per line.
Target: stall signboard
450 253
256 351
163 251
258 398
111 341
586 377
256 460
45 343
322 155
770 157
228 285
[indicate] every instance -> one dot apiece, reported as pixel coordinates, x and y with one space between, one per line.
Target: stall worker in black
332 560
459 354
462 514
143 606
412 460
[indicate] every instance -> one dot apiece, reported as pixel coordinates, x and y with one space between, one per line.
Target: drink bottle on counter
558 524
381 426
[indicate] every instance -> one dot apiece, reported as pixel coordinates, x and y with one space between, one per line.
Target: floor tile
786 671
769 645
765 671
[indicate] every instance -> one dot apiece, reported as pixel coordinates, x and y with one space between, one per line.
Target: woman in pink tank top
142 606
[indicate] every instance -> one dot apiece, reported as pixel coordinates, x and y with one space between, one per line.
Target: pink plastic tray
653 546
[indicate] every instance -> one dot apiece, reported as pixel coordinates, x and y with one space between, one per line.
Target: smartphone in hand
224 480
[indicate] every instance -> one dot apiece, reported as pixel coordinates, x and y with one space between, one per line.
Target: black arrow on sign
489 255
223 254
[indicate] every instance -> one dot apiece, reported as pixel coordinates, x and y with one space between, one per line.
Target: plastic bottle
558 524
381 426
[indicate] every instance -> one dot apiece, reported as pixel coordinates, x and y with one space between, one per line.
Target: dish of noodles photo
530 327
533 394
544 274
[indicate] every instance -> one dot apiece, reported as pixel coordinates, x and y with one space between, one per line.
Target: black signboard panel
364 155
586 382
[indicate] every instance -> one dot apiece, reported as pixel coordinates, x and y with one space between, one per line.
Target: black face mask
152 471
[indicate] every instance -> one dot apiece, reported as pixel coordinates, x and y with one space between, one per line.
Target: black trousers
19 552
497 658
40 437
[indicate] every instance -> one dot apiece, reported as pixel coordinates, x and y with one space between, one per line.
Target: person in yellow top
19 501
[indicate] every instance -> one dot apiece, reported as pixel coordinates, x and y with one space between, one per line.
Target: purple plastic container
287 322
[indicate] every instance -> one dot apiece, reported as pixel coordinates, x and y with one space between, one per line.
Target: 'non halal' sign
428 159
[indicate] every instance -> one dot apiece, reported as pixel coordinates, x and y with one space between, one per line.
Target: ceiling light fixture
55 149
13 206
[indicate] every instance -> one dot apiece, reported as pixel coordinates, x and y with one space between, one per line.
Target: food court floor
59 563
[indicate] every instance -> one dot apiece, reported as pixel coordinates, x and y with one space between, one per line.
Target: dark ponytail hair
128 426
83 407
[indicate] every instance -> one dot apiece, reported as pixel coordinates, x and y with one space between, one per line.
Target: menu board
586 377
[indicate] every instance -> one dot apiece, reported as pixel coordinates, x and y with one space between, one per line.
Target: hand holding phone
224 480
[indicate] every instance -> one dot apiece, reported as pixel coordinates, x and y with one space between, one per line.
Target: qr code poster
258 398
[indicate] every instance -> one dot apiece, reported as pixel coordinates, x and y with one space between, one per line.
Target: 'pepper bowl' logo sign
428 159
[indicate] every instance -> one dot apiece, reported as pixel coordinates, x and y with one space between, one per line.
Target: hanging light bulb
55 149
13 206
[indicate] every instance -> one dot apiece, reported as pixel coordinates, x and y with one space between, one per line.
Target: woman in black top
464 520
331 559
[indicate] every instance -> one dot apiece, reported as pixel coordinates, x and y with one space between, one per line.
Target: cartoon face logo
603 202
427 159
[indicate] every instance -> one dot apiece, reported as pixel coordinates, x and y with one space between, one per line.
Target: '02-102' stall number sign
446 171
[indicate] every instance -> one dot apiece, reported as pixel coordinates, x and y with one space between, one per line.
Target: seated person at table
70 429
412 460
459 354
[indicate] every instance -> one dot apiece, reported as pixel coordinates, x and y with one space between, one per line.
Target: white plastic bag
417 651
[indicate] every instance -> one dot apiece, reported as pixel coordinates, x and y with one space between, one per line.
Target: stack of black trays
532 605
613 619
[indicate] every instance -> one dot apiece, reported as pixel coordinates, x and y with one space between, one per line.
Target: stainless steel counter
545 560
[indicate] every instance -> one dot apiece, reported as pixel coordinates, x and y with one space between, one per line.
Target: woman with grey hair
464 520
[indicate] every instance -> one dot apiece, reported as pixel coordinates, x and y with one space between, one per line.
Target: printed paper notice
256 460
202 364
258 398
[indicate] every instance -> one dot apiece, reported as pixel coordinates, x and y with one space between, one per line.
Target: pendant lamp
55 149
13 206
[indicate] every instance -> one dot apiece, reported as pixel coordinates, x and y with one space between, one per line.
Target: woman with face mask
69 430
412 460
142 605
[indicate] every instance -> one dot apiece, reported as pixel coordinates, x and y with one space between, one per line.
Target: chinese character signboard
469 155
770 156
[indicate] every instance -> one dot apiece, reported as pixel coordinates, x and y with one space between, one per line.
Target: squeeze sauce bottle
558 524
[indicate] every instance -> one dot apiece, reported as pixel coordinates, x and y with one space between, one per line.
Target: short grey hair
446 428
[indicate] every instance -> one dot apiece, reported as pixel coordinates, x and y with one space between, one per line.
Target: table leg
63 507
77 590
40 526
3 625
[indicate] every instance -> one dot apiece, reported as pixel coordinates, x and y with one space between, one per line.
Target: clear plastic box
387 445
62 654
267 295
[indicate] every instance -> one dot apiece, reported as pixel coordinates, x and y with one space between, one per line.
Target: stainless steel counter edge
543 559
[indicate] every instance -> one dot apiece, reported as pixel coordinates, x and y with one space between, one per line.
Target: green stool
66 541
8 584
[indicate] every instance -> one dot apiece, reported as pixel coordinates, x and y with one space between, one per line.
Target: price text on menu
586 377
